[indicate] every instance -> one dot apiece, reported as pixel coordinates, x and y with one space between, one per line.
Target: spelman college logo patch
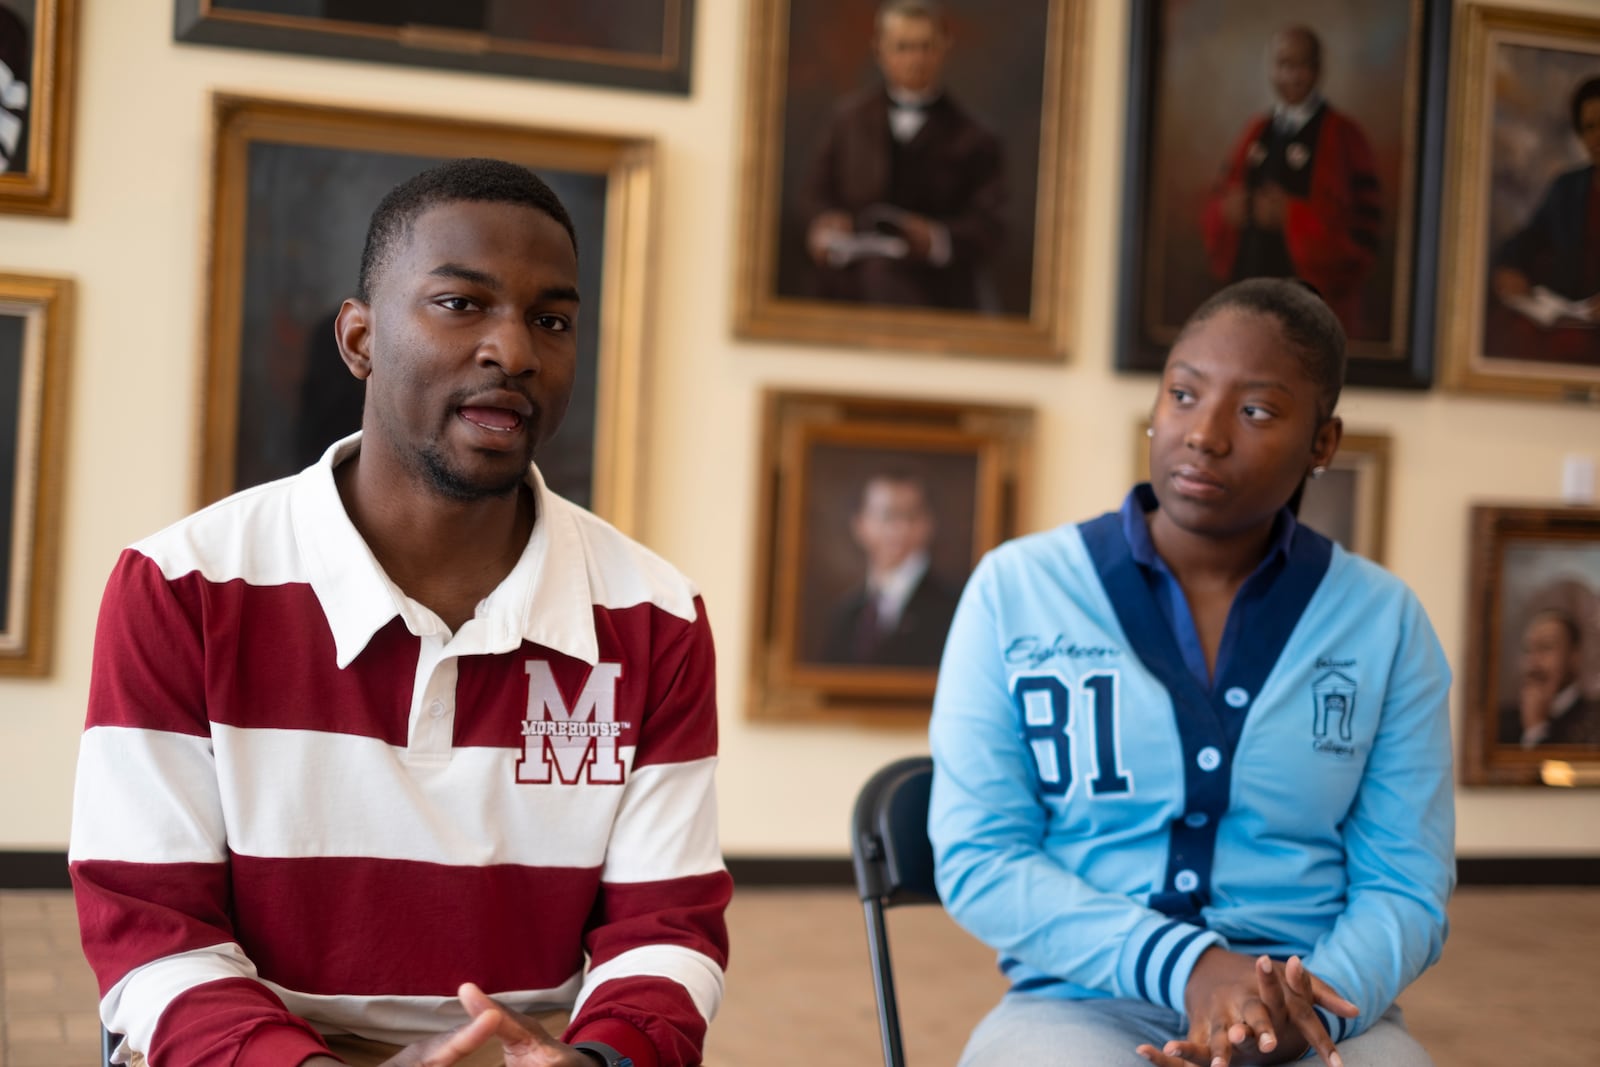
1333 700
580 740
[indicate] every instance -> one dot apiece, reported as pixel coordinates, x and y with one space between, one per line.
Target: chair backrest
890 847
894 865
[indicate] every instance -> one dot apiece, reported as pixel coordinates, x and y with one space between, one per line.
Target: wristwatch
603 1054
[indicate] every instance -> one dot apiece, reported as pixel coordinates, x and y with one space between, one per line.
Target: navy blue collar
1141 500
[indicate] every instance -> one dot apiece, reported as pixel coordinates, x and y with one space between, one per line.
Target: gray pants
1103 1033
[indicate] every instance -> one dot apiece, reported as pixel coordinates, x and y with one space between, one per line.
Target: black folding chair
894 866
108 1045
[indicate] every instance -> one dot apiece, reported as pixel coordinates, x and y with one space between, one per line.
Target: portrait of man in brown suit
905 198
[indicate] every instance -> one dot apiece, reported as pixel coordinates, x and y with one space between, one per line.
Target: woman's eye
1251 411
1180 395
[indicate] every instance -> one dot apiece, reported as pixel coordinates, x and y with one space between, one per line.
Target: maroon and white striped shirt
303 805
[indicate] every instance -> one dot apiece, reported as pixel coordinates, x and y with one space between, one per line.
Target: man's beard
451 484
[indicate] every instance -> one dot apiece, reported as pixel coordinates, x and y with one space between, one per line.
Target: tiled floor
1518 983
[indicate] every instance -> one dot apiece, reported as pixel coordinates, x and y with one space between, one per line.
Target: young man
899 615
903 160
407 724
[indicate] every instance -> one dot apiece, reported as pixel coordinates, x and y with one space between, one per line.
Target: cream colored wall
135 245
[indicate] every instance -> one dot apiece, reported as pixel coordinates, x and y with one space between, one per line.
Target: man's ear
352 329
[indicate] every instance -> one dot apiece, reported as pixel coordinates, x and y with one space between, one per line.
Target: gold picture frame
640 44
271 282
824 457
35 350
1516 76
1348 504
1534 640
1033 48
42 186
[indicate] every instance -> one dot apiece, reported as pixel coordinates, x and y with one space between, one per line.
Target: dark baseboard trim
48 870
33 870
790 871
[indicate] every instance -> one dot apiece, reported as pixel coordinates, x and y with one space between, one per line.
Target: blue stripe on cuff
1175 996
1139 985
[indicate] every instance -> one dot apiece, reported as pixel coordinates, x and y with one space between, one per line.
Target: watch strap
603 1053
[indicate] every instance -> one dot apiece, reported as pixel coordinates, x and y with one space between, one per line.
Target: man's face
1294 67
893 524
1589 128
1549 657
471 346
911 52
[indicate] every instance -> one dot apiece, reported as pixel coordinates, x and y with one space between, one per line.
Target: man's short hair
491 180
895 476
1311 39
1585 92
931 10
1562 616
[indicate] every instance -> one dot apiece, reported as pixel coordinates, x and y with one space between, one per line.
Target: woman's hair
1585 92
1308 324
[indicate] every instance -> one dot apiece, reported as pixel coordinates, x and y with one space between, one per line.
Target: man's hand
1509 283
1535 697
1248 1011
1233 206
824 229
1269 206
526 1043
441 1050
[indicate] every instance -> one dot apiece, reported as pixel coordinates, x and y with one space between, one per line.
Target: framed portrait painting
1349 504
35 325
874 513
910 174
1287 138
1533 654
634 44
1523 294
294 188
37 52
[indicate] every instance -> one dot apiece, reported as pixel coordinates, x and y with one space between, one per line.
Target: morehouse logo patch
1333 704
564 745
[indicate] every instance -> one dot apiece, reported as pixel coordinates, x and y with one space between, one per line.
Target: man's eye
456 303
555 323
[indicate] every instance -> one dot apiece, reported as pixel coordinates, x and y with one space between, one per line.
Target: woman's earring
1318 471
1149 431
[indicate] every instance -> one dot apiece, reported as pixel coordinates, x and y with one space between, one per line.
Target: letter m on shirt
576 739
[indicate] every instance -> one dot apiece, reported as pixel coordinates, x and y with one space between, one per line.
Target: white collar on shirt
548 605
1293 119
908 112
895 588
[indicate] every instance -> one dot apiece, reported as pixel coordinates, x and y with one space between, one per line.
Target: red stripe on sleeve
130 914
232 1023
680 911
147 652
657 1007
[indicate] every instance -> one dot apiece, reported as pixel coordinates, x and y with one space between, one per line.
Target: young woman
1192 759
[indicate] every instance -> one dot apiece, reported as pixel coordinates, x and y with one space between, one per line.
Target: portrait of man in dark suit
905 198
900 158
900 611
1553 705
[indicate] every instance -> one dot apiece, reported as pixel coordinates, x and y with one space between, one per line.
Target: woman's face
1236 425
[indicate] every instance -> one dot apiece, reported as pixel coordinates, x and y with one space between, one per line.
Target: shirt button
1209 758
436 709
1196 819
1186 881
1236 697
